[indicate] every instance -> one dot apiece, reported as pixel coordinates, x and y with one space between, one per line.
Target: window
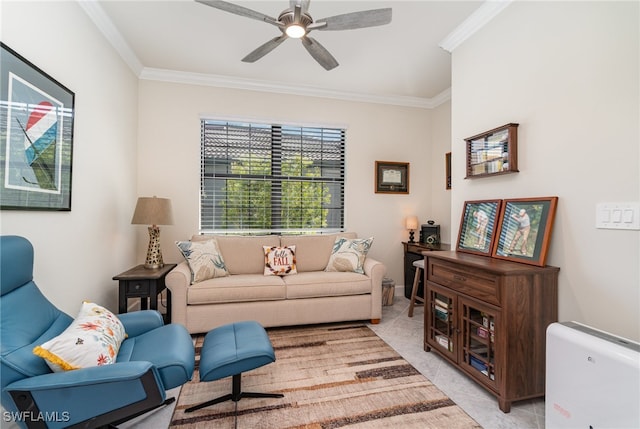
261 178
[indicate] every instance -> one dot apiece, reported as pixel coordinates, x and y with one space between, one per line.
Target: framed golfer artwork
524 229
477 226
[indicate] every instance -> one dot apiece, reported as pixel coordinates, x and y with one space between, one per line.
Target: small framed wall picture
447 167
392 177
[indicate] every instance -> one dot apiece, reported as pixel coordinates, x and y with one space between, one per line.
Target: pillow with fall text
279 261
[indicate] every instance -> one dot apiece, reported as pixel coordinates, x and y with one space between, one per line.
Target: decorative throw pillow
349 254
279 261
92 339
204 259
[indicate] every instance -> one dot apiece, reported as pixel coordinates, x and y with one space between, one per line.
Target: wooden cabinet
489 318
493 152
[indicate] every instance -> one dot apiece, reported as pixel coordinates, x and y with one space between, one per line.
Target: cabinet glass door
440 320
479 324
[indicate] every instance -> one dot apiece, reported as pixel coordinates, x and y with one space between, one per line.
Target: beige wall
78 252
169 140
567 72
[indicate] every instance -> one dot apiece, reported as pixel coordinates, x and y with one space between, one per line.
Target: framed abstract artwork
36 145
524 229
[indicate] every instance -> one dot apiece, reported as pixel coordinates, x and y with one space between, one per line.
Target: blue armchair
152 359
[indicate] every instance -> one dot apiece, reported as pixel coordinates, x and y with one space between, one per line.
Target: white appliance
592 379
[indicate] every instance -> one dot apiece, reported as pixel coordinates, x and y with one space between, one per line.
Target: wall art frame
524 229
392 177
36 137
477 230
447 170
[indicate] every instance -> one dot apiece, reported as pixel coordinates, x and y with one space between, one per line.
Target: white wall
169 139
568 73
78 252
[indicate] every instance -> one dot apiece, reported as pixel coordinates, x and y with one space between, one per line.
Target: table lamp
153 211
411 223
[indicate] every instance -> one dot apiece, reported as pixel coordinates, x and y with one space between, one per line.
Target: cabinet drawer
138 288
477 284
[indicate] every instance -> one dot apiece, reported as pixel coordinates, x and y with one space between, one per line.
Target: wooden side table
146 284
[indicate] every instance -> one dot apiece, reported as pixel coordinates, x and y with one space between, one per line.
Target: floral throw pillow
204 259
279 261
92 339
349 254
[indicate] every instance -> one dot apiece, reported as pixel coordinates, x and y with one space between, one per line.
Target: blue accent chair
152 359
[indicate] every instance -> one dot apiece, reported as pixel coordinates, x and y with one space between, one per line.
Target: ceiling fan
295 22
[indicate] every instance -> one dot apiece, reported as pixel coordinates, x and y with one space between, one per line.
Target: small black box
430 234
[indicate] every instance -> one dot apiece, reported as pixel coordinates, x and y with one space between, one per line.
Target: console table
489 318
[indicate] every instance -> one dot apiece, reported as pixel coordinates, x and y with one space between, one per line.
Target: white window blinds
262 178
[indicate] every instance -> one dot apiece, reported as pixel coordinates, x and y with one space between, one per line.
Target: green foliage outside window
255 203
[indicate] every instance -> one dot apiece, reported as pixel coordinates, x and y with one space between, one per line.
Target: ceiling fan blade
319 53
304 5
263 50
239 10
353 20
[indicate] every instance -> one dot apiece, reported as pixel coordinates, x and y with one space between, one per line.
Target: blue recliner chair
152 359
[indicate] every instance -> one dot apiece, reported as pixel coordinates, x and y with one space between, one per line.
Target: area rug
332 376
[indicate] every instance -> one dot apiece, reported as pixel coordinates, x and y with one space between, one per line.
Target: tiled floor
405 335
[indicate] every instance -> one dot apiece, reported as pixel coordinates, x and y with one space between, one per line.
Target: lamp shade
411 222
153 211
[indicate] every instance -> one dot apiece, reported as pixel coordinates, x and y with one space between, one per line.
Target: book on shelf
441 313
444 342
481 366
442 309
483 370
482 332
441 303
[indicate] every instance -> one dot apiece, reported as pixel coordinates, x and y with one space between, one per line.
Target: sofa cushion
237 288
313 251
243 254
323 284
349 254
279 261
204 259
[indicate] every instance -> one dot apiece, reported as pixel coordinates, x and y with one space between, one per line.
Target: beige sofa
310 296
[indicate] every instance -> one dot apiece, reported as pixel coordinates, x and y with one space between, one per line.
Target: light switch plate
618 216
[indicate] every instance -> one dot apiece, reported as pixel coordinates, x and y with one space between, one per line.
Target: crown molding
478 19
95 12
219 81
106 27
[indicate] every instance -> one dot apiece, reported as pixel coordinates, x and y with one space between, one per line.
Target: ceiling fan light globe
295 31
